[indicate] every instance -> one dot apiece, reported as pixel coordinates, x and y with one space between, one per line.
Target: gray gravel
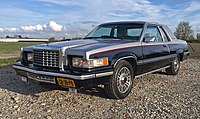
153 96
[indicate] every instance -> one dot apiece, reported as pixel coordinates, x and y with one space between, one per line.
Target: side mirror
149 39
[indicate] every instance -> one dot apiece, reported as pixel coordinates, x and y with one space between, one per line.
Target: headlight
30 56
79 62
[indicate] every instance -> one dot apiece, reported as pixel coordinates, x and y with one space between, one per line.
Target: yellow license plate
66 82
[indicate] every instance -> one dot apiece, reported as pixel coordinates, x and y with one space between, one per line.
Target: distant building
23 40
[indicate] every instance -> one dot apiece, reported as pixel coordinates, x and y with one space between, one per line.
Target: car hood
79 47
69 44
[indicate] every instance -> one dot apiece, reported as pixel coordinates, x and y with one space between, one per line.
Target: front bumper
25 71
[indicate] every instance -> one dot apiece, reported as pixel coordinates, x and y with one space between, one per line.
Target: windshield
117 31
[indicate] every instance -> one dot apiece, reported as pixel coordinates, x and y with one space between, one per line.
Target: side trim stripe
111 48
152 71
123 46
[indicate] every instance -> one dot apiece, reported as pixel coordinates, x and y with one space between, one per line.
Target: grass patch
14 48
9 61
193 41
195 57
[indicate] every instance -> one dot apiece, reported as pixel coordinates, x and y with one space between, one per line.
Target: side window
165 38
152 31
135 32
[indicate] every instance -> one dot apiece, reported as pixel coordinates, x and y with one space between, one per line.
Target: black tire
174 67
120 84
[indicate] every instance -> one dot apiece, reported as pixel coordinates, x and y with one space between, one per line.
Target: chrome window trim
152 71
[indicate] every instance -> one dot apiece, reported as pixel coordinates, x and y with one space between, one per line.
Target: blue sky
70 18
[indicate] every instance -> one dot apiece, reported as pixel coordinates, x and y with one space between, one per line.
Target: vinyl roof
130 22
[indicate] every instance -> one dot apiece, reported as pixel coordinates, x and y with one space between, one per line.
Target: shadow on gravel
92 91
95 91
11 82
160 72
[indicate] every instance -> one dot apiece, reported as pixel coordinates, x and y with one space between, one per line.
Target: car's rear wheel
120 84
174 67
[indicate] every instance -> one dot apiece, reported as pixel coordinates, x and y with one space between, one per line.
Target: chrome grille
46 58
41 78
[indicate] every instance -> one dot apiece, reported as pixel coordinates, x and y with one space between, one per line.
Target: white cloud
54 26
11 29
28 28
52 29
63 2
39 27
1 29
32 28
197 28
44 26
193 6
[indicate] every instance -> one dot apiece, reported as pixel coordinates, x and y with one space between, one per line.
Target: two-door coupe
113 54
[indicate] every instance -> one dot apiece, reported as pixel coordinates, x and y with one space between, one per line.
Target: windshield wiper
91 37
112 37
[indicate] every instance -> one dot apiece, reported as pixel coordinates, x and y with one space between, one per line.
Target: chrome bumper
186 55
54 74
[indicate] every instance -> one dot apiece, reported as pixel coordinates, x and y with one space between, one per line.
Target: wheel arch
180 53
128 56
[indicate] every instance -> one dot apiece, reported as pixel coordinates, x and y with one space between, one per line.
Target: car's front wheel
174 67
120 84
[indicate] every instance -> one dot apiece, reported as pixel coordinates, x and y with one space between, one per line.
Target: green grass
14 48
193 41
9 61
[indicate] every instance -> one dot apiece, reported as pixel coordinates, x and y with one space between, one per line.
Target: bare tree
198 36
184 31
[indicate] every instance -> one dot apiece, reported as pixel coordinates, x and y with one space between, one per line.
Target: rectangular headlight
30 57
98 62
79 62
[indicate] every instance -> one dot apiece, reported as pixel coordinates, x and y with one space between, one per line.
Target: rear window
165 38
169 32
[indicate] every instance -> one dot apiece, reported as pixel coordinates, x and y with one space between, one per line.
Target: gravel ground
153 96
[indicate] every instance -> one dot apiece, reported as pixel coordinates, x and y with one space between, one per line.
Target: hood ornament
47 42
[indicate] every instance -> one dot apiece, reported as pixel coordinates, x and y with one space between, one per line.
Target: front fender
179 51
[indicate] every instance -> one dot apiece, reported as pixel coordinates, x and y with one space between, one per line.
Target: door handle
164 45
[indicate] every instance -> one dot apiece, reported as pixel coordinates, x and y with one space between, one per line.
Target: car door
155 49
